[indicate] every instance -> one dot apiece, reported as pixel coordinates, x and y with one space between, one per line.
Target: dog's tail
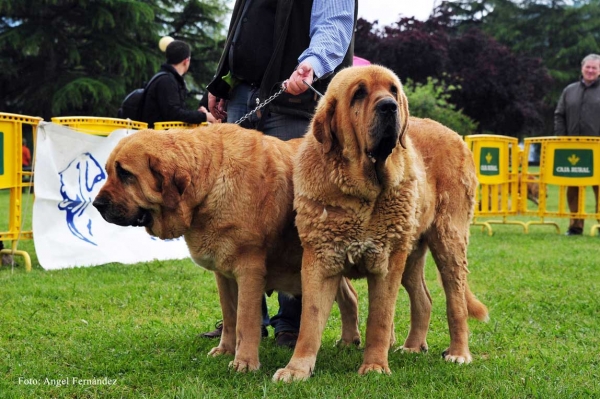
475 308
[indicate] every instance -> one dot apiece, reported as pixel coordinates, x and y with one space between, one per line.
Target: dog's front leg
383 291
251 283
318 292
228 289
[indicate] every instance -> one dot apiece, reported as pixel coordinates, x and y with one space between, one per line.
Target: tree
199 23
415 49
560 32
502 91
71 57
499 89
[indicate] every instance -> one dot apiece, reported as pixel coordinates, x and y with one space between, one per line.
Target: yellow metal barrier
171 125
12 177
98 126
566 162
497 160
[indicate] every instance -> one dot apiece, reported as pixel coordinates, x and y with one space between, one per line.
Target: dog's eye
359 94
123 174
394 90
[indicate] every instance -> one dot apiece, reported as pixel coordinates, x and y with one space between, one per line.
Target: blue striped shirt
331 29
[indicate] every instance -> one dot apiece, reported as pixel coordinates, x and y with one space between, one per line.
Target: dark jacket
292 22
165 100
578 110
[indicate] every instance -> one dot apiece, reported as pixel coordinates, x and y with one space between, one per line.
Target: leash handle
312 88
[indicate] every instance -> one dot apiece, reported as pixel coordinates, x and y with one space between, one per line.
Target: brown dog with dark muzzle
374 189
228 191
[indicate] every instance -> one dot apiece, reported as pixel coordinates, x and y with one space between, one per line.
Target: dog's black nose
387 106
100 203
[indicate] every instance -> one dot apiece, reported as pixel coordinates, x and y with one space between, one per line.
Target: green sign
489 161
1 153
573 163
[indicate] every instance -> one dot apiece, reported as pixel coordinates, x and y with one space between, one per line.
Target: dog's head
147 185
364 113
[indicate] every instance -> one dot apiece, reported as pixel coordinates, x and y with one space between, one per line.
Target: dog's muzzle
384 131
113 214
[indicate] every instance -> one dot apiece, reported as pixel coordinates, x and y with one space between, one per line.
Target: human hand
209 117
295 84
217 107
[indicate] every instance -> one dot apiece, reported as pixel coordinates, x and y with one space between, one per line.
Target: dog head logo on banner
77 184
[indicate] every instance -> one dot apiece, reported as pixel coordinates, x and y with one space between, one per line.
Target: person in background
164 100
26 155
578 114
270 42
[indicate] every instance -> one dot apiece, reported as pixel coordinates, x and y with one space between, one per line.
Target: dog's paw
348 343
243 366
374 368
422 348
218 351
289 375
463 358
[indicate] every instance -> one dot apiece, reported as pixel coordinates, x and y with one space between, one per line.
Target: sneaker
574 232
286 339
216 333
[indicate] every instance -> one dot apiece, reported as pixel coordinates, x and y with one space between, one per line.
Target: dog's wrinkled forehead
132 147
371 77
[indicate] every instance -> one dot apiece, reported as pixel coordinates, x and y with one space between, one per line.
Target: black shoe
286 339
574 232
216 333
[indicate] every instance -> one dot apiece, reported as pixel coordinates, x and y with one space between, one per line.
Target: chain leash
260 106
264 104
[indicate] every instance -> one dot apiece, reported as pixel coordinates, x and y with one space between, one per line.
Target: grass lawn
131 331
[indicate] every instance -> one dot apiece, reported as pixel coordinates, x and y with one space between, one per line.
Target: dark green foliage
500 90
511 58
73 57
198 23
432 100
560 32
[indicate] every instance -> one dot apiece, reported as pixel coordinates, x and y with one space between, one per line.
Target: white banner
67 230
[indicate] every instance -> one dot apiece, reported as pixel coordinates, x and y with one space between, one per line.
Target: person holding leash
302 43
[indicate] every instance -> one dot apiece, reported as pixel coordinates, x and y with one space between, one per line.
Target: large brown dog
373 190
229 192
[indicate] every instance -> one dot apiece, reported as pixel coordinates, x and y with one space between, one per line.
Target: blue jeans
285 127
243 100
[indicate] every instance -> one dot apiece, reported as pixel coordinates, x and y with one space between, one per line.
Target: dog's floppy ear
323 126
403 101
171 181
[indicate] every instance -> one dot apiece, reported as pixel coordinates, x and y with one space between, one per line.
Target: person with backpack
164 96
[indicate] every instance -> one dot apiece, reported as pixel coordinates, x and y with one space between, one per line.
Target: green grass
139 325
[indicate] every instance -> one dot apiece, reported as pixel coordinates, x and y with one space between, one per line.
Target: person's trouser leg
240 103
285 127
597 209
288 317
575 225
265 314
